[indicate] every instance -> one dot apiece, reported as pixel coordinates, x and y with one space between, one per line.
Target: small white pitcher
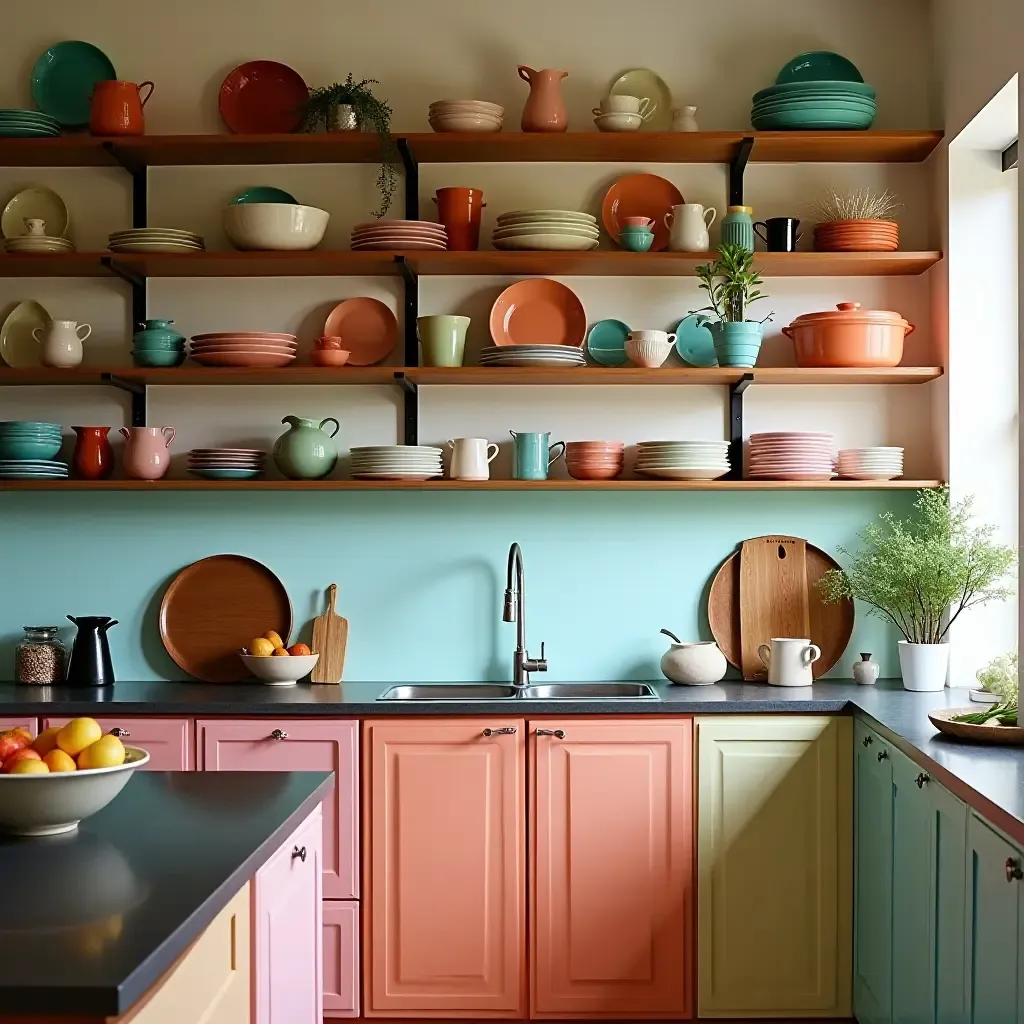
789 661
688 224
471 458
62 342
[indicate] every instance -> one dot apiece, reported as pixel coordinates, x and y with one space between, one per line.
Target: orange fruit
281 652
29 766
58 761
46 740
274 638
78 734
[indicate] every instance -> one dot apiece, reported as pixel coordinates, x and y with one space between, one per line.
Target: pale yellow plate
43 203
641 82
17 346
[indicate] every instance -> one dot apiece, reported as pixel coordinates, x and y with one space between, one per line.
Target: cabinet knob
279 734
300 852
1013 871
922 779
866 742
118 731
506 730
557 733
883 754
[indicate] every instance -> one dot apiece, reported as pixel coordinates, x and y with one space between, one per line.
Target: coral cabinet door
294 745
611 849
168 740
444 860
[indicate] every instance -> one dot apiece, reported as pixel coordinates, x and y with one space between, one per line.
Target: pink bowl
593 472
329 357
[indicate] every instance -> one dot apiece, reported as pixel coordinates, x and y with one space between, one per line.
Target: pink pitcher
545 110
146 451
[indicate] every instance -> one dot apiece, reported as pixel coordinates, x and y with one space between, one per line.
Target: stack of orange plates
857 236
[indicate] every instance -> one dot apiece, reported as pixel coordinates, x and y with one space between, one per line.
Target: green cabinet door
949 820
873 813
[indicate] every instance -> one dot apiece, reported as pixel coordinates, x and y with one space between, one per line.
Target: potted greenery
921 575
351 106
732 284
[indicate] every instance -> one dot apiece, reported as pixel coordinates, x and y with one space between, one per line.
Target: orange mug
459 210
117 108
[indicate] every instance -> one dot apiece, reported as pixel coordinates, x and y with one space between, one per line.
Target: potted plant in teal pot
732 285
921 575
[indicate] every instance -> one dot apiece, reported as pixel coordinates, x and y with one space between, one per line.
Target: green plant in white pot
922 574
732 285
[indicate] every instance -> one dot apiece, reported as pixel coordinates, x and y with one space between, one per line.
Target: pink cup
146 451
636 222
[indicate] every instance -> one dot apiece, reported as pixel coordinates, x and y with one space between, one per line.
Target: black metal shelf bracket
412 179
1009 156
137 390
410 311
737 167
736 425
140 213
411 411
136 280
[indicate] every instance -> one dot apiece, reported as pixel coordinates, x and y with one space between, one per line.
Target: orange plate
538 311
640 195
367 328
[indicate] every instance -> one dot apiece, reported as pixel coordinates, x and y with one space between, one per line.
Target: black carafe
90 663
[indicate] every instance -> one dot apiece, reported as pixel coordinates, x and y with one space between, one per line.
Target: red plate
640 195
262 97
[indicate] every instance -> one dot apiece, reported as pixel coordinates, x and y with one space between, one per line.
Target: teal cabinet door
949 820
873 811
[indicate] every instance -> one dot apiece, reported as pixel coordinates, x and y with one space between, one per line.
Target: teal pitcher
305 450
738 227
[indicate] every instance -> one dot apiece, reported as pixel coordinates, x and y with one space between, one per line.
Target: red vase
93 458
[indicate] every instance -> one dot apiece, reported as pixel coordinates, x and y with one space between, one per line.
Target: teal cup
531 455
442 339
636 239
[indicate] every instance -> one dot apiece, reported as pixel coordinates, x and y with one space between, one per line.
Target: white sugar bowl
693 664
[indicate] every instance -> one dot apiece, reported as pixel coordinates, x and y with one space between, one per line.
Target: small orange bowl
329 357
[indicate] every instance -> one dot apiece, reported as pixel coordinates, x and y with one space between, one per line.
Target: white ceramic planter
924 666
696 664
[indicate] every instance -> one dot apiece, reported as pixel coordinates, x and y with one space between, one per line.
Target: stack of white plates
466 116
792 456
38 243
396 462
399 234
532 355
227 463
145 240
683 460
550 230
870 463
255 349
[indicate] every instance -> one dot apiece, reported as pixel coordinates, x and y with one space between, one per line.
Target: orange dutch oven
849 337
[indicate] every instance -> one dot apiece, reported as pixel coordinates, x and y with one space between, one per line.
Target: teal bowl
264 194
22 448
818 66
158 344
6 425
153 357
636 241
30 432
227 474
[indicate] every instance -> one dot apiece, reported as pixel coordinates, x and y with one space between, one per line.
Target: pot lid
852 313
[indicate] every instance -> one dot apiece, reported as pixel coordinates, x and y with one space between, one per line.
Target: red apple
11 741
25 754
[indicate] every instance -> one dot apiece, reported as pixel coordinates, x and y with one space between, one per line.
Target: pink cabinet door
296 745
287 923
19 723
168 740
612 910
444 859
341 959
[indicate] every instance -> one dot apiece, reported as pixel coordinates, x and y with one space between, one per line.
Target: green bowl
264 194
22 448
158 344
154 357
818 66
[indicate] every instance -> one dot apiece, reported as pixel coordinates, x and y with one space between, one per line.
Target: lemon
46 740
58 761
261 647
274 638
29 766
78 734
106 752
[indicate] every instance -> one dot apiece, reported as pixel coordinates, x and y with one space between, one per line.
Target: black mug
780 233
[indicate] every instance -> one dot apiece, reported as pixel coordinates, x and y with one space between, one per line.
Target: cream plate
148 247
643 82
684 474
548 243
17 346
43 203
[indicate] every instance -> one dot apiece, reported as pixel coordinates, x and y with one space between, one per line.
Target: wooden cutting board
330 638
831 625
773 596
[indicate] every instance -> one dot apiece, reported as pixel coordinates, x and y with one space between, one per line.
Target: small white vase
924 666
685 120
865 671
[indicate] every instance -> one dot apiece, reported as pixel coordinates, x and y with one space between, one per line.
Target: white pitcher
471 458
62 342
689 223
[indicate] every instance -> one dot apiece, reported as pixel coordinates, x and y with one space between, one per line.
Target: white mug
471 458
689 223
627 105
789 661
62 342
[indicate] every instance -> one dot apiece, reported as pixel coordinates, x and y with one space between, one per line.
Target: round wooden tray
990 732
215 607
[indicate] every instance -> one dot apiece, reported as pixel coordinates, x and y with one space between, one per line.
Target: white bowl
465 123
647 351
618 122
280 671
274 226
443 106
60 800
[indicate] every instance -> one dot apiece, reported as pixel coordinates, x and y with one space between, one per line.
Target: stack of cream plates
38 243
396 462
683 460
532 355
870 463
381 235
156 240
551 230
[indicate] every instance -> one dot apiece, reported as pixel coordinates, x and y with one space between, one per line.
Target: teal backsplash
420 575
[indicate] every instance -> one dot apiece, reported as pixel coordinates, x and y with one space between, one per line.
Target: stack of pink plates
255 349
399 234
870 463
792 456
594 460
227 463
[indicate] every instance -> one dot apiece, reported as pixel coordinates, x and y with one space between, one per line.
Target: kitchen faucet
515 611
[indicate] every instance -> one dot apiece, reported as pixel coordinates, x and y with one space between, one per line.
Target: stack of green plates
27 124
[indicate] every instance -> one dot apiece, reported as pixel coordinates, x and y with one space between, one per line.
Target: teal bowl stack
821 91
27 451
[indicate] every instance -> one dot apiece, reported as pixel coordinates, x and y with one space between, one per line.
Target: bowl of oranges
66 774
274 664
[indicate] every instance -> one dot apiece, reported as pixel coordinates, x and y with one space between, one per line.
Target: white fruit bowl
47 805
280 671
280 227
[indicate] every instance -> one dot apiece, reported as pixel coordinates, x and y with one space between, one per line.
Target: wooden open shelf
64 264
341 263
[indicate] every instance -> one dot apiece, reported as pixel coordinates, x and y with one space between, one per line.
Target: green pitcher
305 450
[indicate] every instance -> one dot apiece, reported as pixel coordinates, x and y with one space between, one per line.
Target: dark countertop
91 920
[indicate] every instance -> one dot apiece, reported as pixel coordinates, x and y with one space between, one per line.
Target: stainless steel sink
500 691
589 691
450 691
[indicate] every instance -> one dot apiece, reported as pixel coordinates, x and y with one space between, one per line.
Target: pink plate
262 97
368 329
389 229
538 311
251 359
246 346
389 223
244 336
399 244
259 452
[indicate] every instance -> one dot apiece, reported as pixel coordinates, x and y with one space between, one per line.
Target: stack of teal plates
40 469
27 450
27 124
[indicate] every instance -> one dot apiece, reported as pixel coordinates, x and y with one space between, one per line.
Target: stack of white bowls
683 460
466 116
145 240
532 355
870 463
38 243
792 455
390 233
396 462
254 349
549 230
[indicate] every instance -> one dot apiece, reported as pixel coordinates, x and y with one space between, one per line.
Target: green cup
442 339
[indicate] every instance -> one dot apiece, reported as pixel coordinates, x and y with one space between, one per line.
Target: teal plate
19 132
264 194
694 343
33 116
819 65
606 342
63 80
824 124
860 90
227 474
31 474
